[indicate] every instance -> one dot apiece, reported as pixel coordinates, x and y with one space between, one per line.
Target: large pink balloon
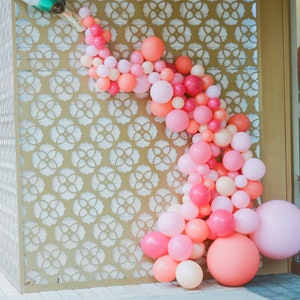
278 233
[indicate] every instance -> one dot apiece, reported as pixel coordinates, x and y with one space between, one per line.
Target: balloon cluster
216 219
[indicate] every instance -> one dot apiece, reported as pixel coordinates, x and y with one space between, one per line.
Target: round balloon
233 260
155 244
189 274
278 233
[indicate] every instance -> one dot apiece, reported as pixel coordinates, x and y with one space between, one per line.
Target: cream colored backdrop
96 171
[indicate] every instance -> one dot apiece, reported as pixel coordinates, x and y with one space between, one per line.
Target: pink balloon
213 91
253 169
221 222
193 85
202 114
155 244
233 160
240 199
186 165
142 84
189 210
161 91
241 141
221 202
170 223
246 221
278 233
200 152
177 120
180 247
200 194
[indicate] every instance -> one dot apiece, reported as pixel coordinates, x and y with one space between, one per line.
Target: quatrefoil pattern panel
97 170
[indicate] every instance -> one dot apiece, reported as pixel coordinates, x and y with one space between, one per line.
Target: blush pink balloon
186 165
161 91
241 141
170 223
277 236
200 152
177 120
202 114
233 160
180 247
253 169
246 221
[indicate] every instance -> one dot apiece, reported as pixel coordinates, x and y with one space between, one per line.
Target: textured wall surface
9 217
97 171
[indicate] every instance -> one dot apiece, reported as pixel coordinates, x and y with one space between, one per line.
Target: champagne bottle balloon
59 7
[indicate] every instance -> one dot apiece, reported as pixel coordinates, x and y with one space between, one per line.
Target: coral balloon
233 260
183 64
164 269
241 121
277 236
155 244
197 230
189 274
152 48
127 82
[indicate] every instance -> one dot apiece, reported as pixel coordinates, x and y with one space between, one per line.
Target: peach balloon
189 274
164 269
152 48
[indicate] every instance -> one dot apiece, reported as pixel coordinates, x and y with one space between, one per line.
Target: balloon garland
216 219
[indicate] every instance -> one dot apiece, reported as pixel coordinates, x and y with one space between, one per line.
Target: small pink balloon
246 221
177 120
189 210
142 84
200 152
161 91
221 202
253 169
155 244
221 222
241 141
193 85
170 223
180 247
200 194
240 199
213 91
123 65
202 114
186 165
233 160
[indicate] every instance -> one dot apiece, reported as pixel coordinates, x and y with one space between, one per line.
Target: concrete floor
275 287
